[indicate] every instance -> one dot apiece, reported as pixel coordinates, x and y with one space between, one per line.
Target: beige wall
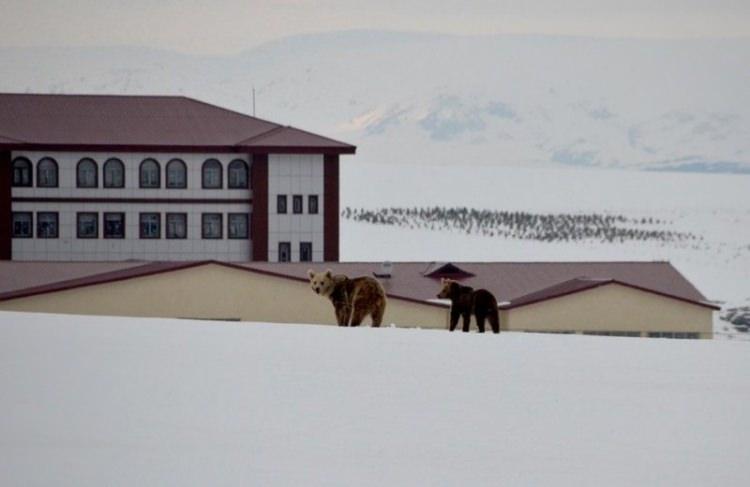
611 308
214 292
217 292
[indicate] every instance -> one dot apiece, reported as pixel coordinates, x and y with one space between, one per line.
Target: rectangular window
285 251
312 204
87 225
114 225
305 251
150 224
297 204
23 224
281 203
211 225
47 224
238 225
177 225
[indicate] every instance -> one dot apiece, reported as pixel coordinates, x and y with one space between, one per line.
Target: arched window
86 174
114 173
150 174
211 174
176 174
21 172
46 173
237 174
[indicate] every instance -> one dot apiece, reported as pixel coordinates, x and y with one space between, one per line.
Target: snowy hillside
115 401
405 98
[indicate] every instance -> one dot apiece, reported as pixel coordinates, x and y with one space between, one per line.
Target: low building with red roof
612 298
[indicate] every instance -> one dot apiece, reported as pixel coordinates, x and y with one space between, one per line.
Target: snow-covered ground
119 401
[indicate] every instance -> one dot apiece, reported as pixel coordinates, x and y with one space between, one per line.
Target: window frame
29 170
110 162
310 254
39 221
203 174
166 224
158 174
297 198
310 206
246 217
203 225
288 245
140 225
104 225
56 172
78 173
176 162
245 167
281 209
13 233
78 224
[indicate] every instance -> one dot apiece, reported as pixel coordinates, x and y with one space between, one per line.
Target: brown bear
353 299
465 301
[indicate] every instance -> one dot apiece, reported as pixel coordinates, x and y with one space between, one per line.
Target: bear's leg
467 321
480 320
377 314
343 313
454 318
358 315
495 321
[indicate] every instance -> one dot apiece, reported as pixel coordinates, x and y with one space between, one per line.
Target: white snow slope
116 401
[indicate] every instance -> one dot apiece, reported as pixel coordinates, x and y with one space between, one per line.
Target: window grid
23 224
47 224
238 225
177 226
114 225
211 226
87 225
149 225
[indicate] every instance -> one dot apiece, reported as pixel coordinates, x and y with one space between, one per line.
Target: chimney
386 268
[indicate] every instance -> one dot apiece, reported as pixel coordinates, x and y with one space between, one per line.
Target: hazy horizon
228 27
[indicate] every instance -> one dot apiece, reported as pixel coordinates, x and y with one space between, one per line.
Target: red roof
518 283
166 123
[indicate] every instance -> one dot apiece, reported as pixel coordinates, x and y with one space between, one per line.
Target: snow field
121 401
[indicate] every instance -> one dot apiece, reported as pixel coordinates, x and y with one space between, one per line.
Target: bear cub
465 301
353 299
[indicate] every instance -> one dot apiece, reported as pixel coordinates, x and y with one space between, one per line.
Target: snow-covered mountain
416 98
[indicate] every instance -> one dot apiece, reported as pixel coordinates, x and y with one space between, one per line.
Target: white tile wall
69 247
292 174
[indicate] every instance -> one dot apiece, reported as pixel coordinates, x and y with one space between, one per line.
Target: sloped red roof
147 122
517 283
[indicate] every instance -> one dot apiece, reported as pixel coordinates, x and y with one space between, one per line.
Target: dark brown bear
353 299
465 301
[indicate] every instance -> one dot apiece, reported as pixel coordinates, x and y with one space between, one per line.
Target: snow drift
121 401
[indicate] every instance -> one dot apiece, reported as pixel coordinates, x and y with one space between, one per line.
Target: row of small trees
522 225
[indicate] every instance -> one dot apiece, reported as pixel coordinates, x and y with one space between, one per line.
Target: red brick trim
6 180
259 218
331 208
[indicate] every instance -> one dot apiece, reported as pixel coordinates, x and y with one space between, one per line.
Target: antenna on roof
253 100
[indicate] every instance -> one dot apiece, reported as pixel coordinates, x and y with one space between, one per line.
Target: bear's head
321 282
449 288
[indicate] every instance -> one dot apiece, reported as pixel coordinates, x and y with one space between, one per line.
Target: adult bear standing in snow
465 301
353 299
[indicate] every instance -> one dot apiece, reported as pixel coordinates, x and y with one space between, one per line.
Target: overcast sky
229 26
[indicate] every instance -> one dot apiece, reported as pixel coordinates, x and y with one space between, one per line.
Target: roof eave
251 149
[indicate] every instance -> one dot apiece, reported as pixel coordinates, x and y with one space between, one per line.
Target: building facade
161 178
